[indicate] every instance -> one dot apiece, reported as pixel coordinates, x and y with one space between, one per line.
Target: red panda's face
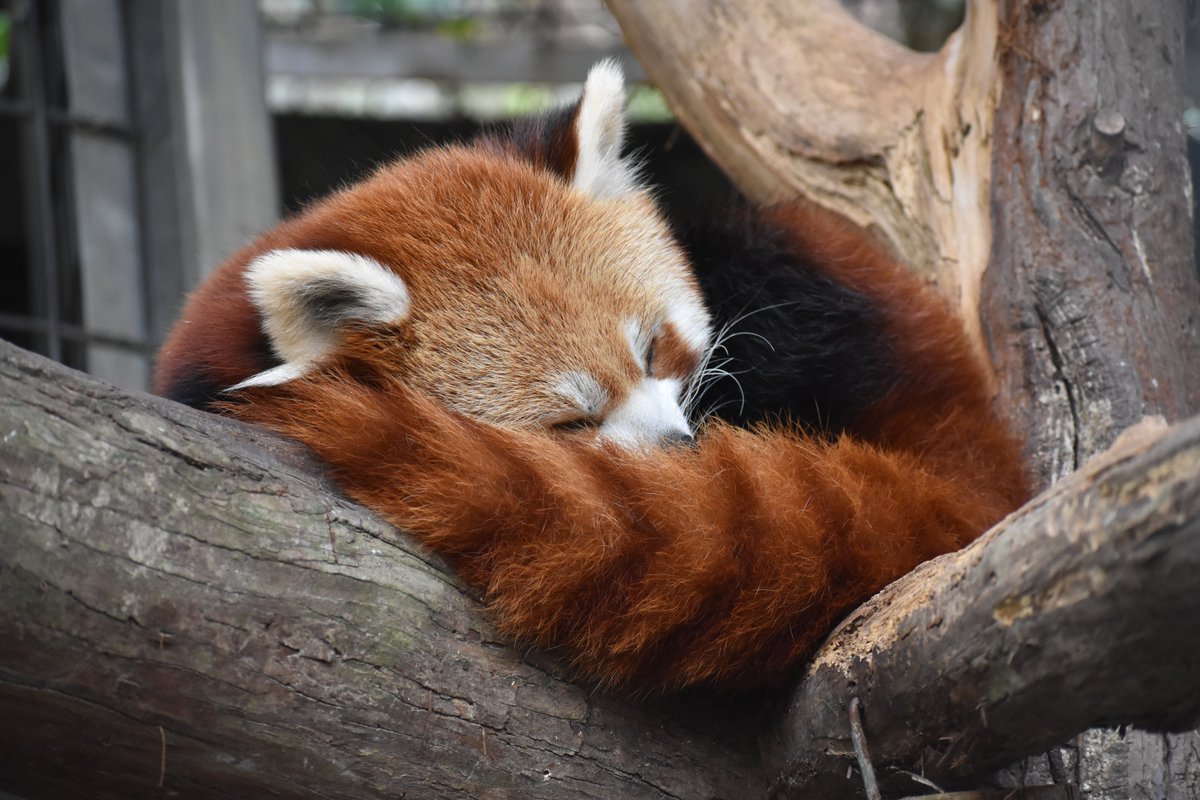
510 293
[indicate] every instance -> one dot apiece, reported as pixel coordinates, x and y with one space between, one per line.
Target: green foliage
5 39
392 11
441 15
647 104
522 99
460 29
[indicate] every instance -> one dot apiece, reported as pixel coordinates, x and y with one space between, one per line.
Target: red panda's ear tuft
304 297
580 143
600 171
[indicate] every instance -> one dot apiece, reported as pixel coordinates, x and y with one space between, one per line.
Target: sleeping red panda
498 346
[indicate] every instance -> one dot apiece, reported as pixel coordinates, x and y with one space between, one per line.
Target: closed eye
575 424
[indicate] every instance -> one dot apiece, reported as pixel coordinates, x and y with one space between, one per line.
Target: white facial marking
686 311
637 334
600 132
582 390
304 296
649 415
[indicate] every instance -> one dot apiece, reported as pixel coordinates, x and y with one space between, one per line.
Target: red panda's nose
678 439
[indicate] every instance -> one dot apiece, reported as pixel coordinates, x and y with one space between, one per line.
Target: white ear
306 296
600 133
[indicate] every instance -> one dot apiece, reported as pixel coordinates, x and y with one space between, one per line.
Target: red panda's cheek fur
673 357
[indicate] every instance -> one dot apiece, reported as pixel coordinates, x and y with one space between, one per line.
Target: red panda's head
527 280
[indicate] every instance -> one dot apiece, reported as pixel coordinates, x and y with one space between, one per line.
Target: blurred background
143 141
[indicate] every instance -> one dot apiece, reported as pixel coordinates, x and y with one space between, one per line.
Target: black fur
331 302
801 347
199 389
195 389
547 140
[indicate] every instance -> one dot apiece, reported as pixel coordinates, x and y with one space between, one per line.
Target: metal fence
109 173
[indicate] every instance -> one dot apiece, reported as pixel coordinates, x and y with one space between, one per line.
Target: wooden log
186 601
1078 611
188 607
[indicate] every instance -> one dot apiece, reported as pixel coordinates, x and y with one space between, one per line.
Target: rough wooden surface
1091 298
1079 611
185 603
795 97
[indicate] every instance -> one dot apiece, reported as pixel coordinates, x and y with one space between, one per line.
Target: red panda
498 347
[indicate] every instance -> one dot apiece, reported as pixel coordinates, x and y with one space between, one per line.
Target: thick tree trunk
1090 300
187 606
1091 295
1059 121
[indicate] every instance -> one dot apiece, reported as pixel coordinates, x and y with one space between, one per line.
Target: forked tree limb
1078 611
796 97
1034 167
185 603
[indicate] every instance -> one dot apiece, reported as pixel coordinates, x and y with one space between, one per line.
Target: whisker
708 373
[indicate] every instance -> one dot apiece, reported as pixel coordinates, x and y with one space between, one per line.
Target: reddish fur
449 222
672 356
720 565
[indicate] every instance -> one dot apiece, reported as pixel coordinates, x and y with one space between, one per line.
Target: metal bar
28 43
136 123
86 124
14 108
70 332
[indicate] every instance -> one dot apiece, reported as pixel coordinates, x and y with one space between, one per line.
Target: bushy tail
727 563
720 565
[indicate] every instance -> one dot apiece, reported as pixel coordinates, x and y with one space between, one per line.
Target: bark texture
188 606
797 98
1091 297
1060 122
987 655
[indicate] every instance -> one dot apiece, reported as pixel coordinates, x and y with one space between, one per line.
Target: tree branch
182 595
174 577
796 97
1061 121
1078 611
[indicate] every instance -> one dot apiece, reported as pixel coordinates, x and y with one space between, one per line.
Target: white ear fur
305 296
600 133
273 377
